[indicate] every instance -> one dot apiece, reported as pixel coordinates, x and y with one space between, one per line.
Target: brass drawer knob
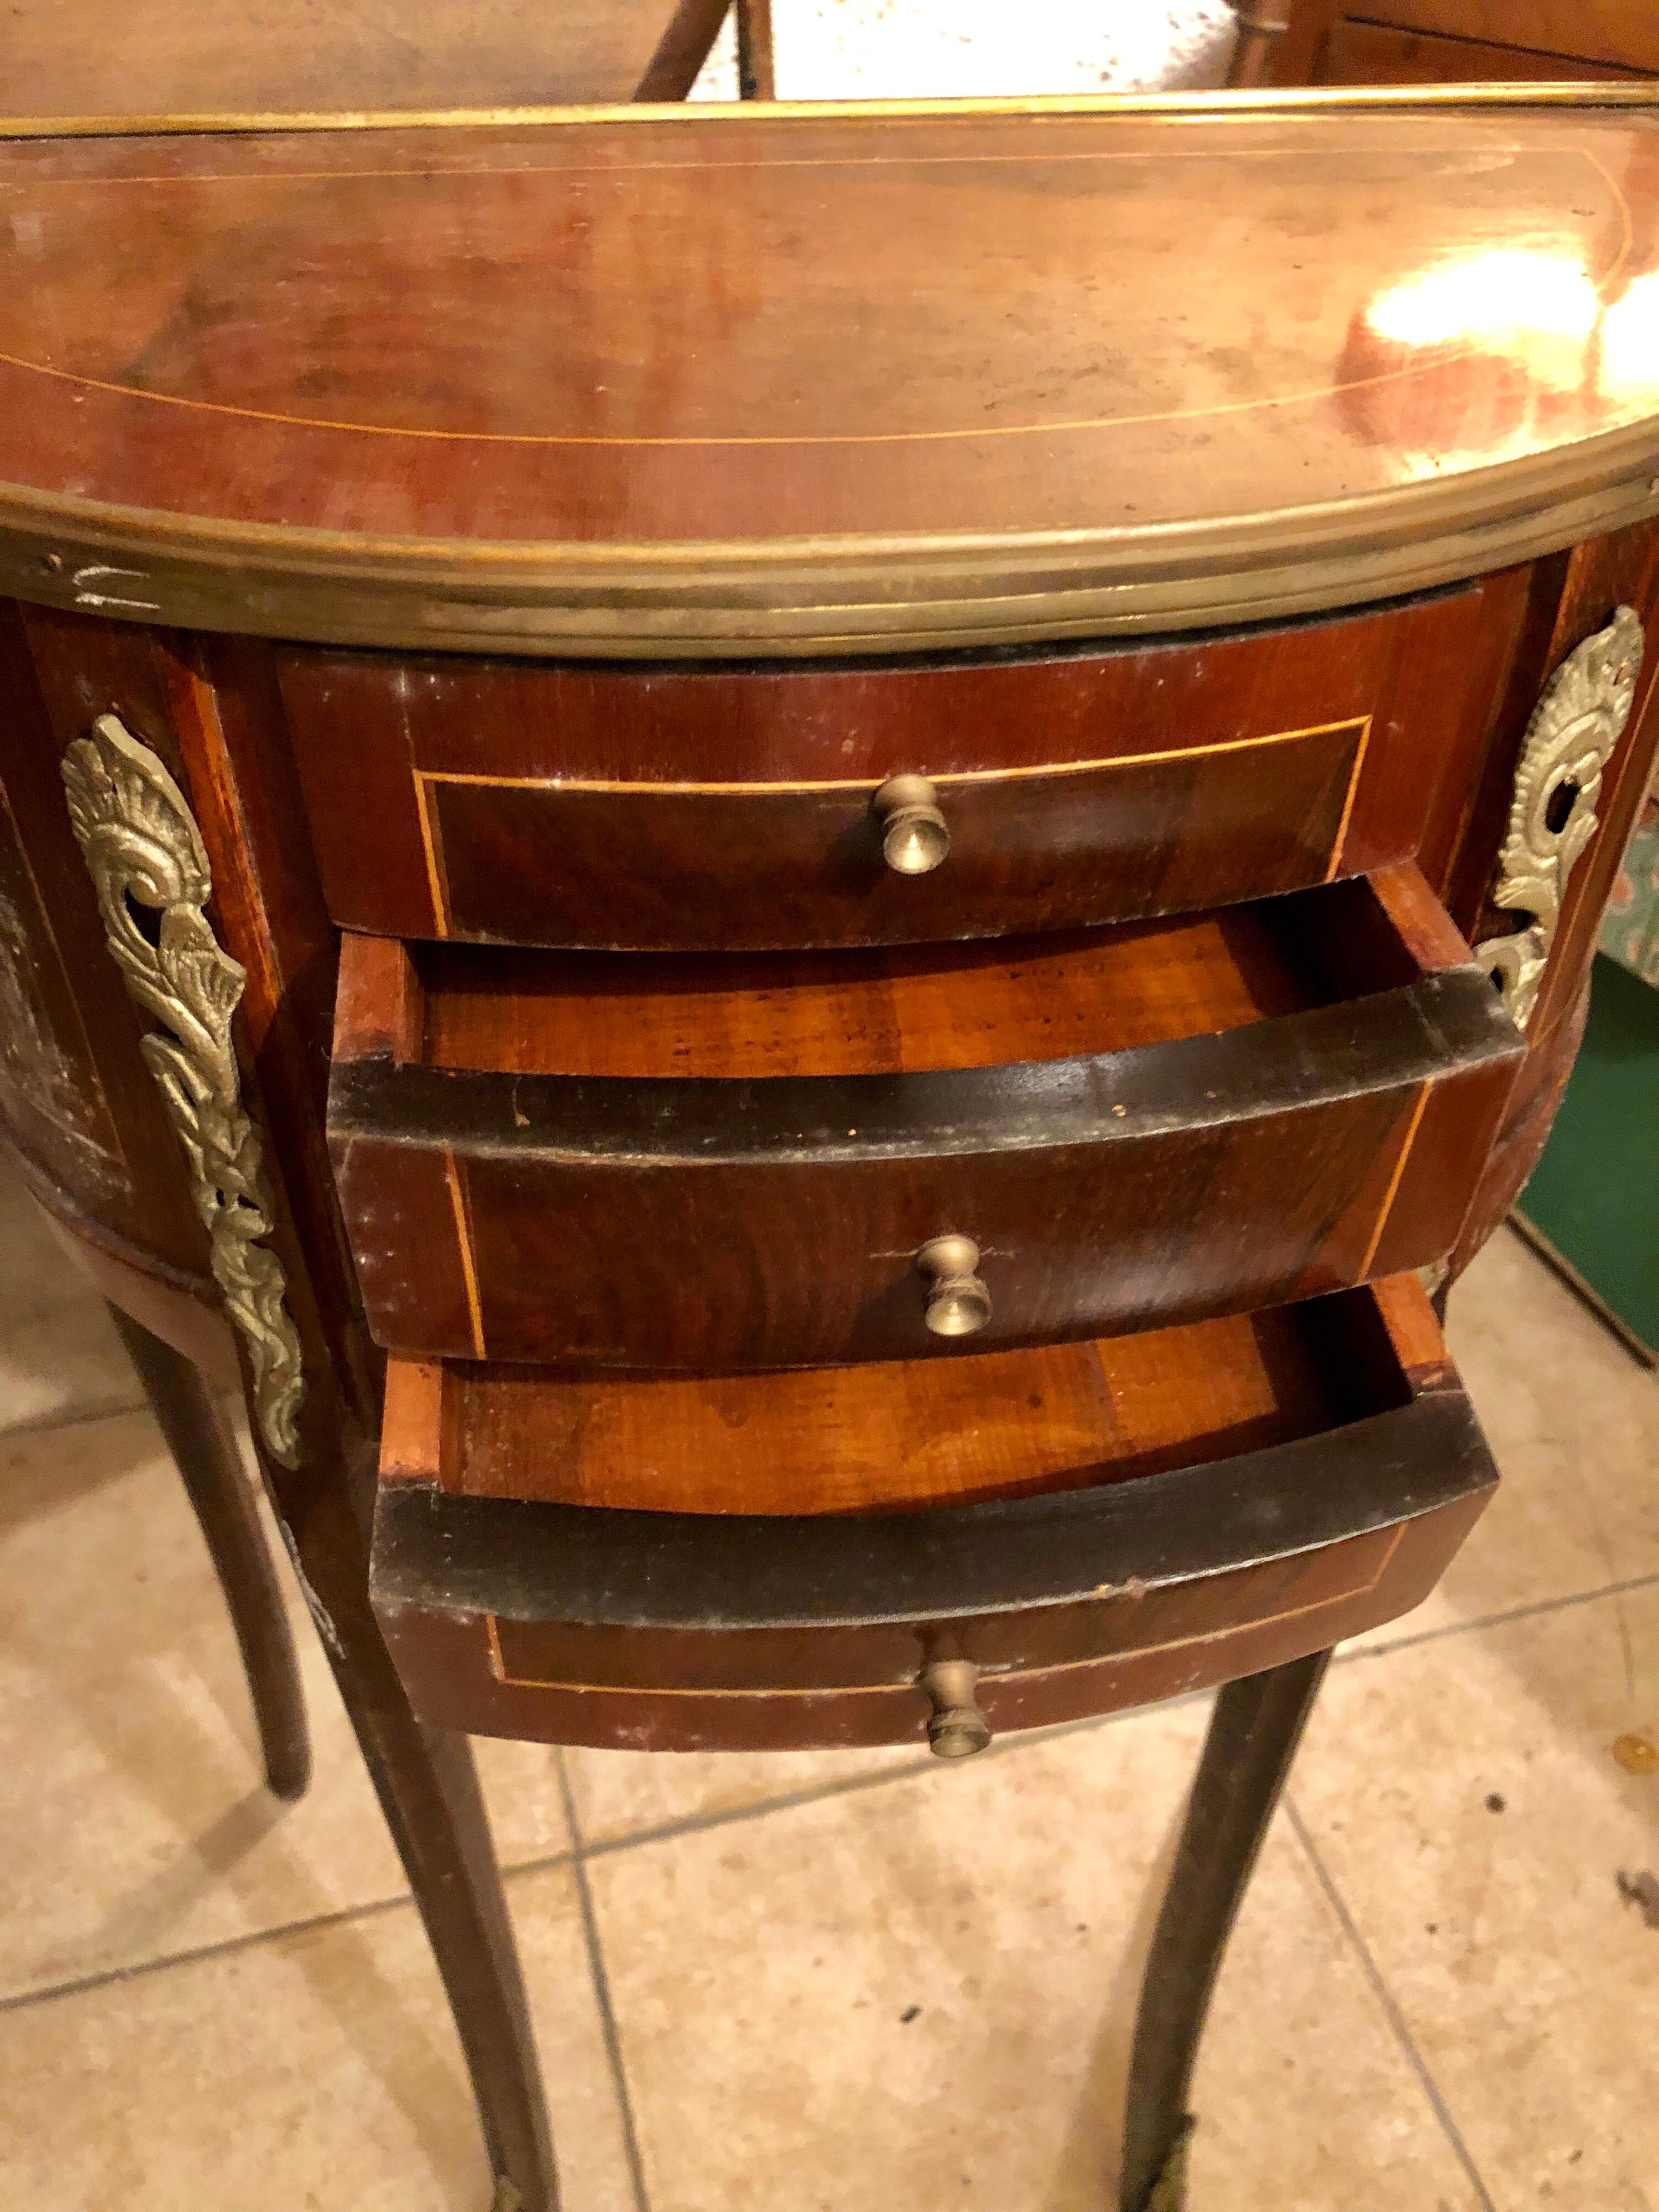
955 1728
958 1303
914 835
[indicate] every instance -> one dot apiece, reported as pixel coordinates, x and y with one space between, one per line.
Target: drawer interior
887 1010
737 1161
895 1434
1292 1485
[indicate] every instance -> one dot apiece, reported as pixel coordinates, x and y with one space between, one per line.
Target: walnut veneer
1450 41
1135 1126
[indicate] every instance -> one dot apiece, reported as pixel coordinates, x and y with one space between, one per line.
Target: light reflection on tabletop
800 328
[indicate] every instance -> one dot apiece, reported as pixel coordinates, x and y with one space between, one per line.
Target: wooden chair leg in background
1254 1733
205 1451
756 77
1261 25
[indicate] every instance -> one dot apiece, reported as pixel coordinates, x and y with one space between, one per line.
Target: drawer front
487 1677
694 1224
1360 53
615 809
677 1629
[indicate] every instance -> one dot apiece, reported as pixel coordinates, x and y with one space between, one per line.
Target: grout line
1625 1646
815 1793
80 1418
227 1948
602 1992
1396 2019
694 1823
697 1823
1345 1658
513 1870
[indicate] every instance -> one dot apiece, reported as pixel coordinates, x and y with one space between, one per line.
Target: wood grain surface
667 808
1443 41
1165 1540
580 380
848 1439
76 1101
859 1013
1157 1122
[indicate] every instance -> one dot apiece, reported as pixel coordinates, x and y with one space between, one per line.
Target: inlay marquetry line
432 836
1348 1595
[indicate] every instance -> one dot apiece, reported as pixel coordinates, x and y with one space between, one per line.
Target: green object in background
1593 1202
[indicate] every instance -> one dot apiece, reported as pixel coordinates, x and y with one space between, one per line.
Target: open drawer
786 1560
785 1160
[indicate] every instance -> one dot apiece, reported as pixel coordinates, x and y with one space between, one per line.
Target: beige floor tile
920 1995
1530 1985
315 2070
60 1354
628 1793
137 1826
907 49
1573 1423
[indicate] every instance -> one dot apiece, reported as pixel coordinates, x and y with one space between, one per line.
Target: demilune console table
812 870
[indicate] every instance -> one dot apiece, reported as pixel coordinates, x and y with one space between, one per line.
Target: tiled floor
921 49
809 1985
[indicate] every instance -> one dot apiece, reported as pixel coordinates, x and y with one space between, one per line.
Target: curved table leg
424 1778
428 1791
757 79
205 1453
1261 25
1254 1733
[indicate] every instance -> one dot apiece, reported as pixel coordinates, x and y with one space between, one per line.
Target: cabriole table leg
1254 1733
428 1791
205 1453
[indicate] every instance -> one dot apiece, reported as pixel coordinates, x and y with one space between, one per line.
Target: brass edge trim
944 778
766 613
1261 100
1611 463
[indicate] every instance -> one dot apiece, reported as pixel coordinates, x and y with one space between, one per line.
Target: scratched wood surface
1130 1519
1155 1122
734 807
606 332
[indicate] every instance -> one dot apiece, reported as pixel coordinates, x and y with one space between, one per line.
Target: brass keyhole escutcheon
958 1303
914 837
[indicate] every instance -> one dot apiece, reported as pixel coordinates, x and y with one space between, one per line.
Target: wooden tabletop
776 381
